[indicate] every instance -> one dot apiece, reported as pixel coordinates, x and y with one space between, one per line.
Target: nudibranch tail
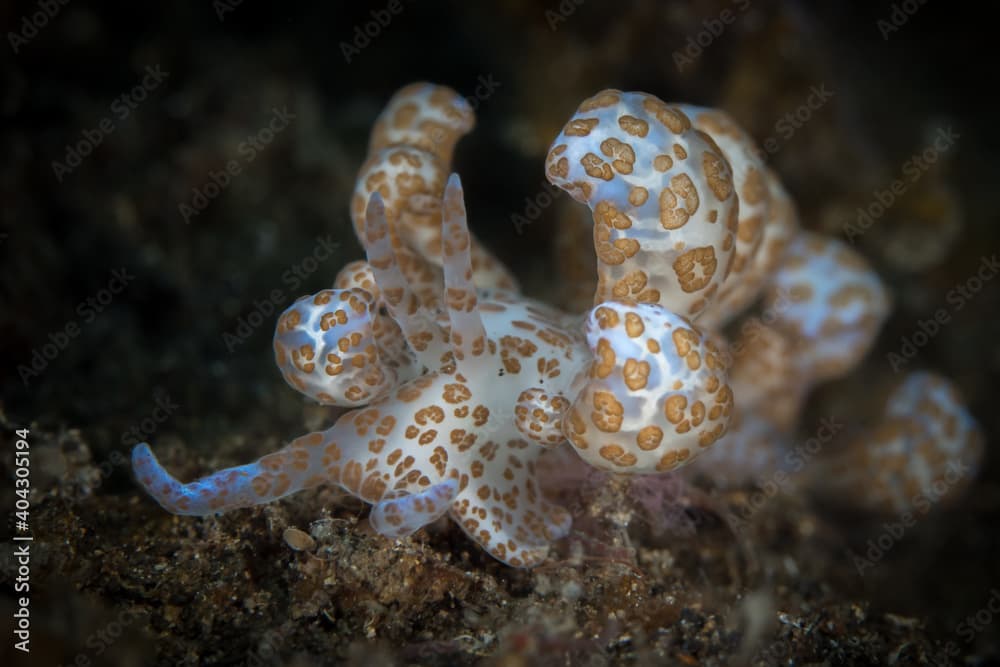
269 478
361 452
468 334
404 306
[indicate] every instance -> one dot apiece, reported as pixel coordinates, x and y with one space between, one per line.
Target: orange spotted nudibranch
457 384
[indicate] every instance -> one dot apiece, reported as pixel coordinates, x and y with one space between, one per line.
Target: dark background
60 241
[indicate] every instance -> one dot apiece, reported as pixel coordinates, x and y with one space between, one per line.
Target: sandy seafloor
117 581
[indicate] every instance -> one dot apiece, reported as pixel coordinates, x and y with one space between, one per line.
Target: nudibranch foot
399 517
506 514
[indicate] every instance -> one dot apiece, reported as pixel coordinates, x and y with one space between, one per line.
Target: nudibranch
456 384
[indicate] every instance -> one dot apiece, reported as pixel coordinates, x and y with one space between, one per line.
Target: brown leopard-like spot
685 267
608 412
